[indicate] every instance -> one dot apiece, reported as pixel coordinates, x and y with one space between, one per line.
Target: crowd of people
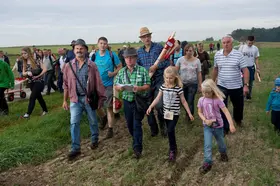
89 79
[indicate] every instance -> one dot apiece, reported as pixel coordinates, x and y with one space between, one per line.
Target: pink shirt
94 82
211 109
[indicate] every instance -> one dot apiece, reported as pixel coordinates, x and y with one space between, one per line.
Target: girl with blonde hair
173 96
34 71
209 110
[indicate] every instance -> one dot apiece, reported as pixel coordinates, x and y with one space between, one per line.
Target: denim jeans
171 124
134 125
189 93
219 135
153 92
237 99
76 111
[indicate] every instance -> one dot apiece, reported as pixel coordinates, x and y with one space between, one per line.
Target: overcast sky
46 22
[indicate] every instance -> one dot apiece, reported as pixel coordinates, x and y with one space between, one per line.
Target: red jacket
94 82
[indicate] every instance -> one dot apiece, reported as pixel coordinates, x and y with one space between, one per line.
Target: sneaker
73 154
26 115
44 113
94 145
110 133
172 156
206 167
103 122
224 157
137 154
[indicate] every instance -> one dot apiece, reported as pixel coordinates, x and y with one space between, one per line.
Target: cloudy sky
46 22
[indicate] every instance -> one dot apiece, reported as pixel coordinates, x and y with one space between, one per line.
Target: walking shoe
110 133
44 113
172 156
224 157
26 116
73 154
103 122
137 154
206 167
94 145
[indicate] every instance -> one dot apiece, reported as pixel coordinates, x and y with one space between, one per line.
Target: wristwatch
246 84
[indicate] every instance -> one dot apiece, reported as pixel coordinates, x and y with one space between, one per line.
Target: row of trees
261 34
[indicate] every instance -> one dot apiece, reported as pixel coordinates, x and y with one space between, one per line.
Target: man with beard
78 90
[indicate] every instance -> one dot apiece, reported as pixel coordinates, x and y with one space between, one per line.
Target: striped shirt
171 99
229 68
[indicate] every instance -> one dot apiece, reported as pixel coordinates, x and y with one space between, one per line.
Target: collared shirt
139 77
147 59
82 74
229 68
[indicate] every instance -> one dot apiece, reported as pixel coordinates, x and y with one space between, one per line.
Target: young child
172 93
273 104
209 107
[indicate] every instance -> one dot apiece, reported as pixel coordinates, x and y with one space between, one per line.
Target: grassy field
37 148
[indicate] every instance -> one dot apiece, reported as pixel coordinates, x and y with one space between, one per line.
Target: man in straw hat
138 76
147 56
78 90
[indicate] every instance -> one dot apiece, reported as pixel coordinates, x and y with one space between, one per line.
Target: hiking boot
137 154
224 157
44 113
110 133
172 156
206 167
103 122
94 145
117 116
26 116
73 154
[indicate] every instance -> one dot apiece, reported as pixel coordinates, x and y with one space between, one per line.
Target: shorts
109 97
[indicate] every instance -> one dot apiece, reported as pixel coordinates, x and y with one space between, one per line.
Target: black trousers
237 99
4 109
50 80
36 89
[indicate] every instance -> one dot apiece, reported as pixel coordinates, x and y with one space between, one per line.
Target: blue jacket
273 102
69 56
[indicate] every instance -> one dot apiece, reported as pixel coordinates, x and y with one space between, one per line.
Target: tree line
261 34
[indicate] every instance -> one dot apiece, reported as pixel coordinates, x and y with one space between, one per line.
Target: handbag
142 101
92 97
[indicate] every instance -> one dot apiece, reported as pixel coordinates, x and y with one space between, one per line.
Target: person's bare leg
111 120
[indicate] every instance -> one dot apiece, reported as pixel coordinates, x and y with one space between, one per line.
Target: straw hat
144 31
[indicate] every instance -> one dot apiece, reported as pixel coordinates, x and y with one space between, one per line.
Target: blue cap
277 82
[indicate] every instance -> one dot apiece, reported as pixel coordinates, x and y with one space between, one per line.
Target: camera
215 124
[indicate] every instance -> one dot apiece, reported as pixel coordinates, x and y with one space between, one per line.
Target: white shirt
91 54
61 62
229 68
250 54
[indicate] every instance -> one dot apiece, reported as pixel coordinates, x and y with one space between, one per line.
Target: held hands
119 88
267 112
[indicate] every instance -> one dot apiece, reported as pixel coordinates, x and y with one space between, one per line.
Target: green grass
35 140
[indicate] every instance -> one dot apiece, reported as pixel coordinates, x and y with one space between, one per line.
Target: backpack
173 55
111 56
